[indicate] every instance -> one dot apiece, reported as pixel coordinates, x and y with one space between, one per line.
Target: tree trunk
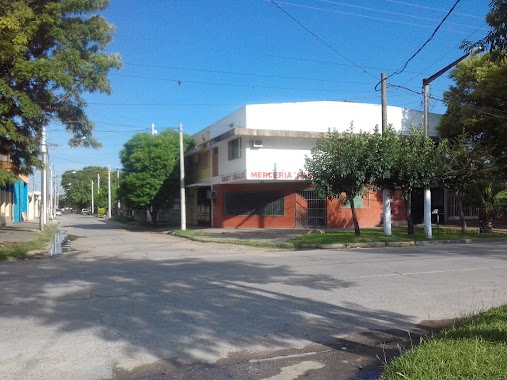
485 220
408 214
154 216
463 221
357 231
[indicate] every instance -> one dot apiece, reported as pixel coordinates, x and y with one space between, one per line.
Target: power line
475 109
321 40
376 10
446 54
431 8
242 73
427 41
181 82
254 54
404 66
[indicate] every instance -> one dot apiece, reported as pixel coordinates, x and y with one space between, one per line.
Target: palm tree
490 198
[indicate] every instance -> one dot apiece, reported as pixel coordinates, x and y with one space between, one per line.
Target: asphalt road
152 306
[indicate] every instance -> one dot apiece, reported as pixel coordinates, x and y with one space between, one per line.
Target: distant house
13 198
245 169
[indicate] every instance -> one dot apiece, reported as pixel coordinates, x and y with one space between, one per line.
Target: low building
13 198
245 169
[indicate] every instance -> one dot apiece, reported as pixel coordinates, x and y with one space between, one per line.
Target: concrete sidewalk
20 232
251 234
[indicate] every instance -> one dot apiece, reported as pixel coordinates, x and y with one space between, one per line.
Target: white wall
236 119
277 155
283 156
321 116
228 167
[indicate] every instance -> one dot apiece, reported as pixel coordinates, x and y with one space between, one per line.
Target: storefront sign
276 175
238 176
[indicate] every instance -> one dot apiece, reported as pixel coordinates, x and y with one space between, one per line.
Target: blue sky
196 61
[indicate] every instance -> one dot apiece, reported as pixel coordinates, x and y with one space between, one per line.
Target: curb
291 246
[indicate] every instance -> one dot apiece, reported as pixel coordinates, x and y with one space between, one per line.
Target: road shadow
184 311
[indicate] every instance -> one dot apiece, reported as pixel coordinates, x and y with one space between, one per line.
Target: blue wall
20 201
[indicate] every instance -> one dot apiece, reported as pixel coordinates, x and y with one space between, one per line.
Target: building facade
13 198
245 170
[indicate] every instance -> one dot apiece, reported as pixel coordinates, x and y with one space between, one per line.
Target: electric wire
404 66
321 40
461 26
431 8
475 109
376 10
268 76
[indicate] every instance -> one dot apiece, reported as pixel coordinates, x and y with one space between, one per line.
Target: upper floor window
234 148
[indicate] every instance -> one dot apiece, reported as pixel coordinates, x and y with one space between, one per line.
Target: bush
101 211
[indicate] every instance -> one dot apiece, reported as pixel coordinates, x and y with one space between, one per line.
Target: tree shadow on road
188 310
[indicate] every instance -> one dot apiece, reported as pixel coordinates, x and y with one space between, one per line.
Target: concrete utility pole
182 183
426 89
117 186
98 183
93 205
153 130
51 188
109 191
44 210
56 194
386 193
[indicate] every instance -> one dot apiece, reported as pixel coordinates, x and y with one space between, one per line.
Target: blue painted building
14 202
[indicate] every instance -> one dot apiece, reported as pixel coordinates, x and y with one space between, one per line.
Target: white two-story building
245 169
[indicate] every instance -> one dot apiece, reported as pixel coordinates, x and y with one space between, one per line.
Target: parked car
85 211
58 212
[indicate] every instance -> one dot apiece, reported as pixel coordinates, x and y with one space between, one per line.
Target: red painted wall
246 221
370 215
338 215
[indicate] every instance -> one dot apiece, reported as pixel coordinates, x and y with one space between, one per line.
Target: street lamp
426 88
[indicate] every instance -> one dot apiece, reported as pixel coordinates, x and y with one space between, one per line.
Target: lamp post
426 88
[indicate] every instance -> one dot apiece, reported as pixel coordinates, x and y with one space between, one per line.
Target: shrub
101 211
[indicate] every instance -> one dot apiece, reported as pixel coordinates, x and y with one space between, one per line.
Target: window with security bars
234 147
261 204
360 201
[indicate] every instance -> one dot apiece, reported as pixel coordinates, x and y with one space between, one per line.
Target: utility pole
386 193
153 130
426 89
182 183
93 205
109 191
384 101
117 186
56 194
98 183
51 188
43 213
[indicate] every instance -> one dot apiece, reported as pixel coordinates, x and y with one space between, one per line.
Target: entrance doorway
311 210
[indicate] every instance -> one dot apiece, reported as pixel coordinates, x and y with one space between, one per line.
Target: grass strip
19 250
474 348
377 235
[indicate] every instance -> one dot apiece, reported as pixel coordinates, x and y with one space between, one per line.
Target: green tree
150 177
51 52
339 167
407 162
496 39
466 165
476 105
78 187
490 197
